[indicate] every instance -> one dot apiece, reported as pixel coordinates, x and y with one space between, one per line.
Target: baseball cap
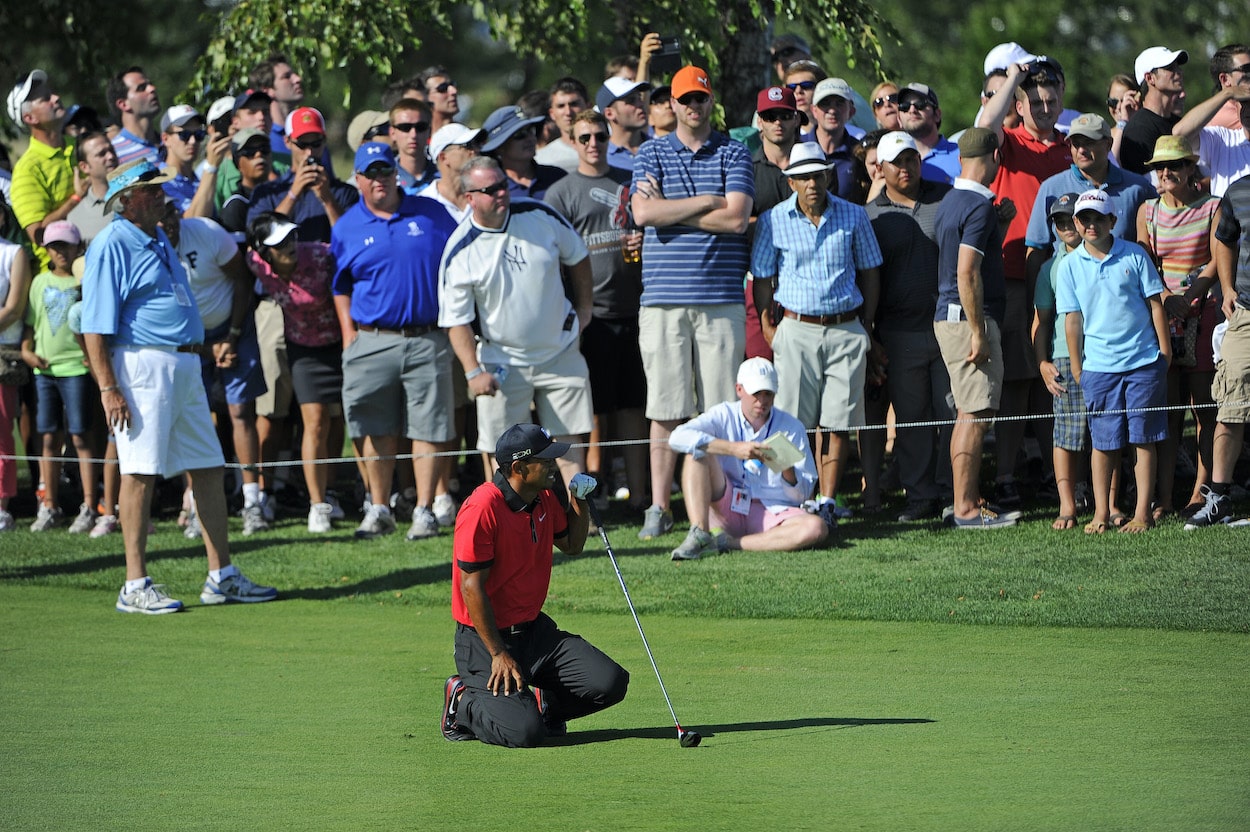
977 141
454 133
614 89
1157 56
784 44
362 124
177 116
528 441
279 231
892 144
807 158
372 153
31 82
1004 55
303 121
1171 149
775 98
62 231
86 116
832 86
1093 200
220 108
917 89
1063 206
756 374
132 175
1091 126
661 94
502 123
690 79
252 100
241 138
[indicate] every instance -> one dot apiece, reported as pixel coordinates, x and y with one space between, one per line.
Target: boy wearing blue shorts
1120 350
62 382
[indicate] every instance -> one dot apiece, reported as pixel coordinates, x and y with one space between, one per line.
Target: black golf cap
528 441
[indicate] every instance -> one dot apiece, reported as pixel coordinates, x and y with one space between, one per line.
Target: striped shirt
683 265
1180 237
815 265
1234 232
130 147
43 179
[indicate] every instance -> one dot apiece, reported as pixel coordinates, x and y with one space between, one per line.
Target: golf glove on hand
582 485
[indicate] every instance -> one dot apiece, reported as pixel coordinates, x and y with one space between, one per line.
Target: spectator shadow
186 549
723 730
395 581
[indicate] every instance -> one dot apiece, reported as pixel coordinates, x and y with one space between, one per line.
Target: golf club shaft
603 534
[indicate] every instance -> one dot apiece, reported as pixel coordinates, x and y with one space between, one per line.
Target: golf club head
689 739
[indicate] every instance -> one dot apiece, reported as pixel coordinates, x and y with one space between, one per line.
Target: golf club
688 739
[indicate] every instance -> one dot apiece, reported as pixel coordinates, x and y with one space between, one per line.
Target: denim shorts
1128 391
63 395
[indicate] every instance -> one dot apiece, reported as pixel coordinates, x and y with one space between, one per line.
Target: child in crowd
1119 347
62 381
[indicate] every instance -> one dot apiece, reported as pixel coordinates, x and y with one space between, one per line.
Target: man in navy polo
396 361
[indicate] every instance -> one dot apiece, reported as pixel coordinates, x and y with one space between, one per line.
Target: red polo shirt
496 531
1026 162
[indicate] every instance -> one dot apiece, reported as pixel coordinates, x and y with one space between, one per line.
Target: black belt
823 320
406 332
509 632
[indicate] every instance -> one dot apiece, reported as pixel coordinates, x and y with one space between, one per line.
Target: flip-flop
1135 527
1117 520
1095 528
1160 512
1063 522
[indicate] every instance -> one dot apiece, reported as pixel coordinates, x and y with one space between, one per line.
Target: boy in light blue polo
1120 350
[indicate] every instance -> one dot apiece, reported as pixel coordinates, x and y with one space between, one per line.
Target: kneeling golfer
519 677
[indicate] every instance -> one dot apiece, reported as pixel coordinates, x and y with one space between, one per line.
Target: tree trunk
744 65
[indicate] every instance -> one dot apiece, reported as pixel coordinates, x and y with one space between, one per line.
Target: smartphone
668 59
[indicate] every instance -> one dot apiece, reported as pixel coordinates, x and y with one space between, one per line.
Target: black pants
576 679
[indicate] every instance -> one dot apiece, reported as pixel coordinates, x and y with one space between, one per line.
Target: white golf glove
582 485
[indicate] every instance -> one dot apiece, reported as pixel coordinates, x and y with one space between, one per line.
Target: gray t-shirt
598 207
90 217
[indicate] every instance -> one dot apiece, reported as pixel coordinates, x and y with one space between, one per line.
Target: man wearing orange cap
692 325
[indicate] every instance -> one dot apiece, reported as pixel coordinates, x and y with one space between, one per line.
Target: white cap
223 106
17 97
454 133
1157 56
1004 55
178 115
832 86
805 158
756 374
278 232
1094 200
892 144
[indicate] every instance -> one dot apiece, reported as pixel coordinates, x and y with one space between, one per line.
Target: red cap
775 98
303 121
690 79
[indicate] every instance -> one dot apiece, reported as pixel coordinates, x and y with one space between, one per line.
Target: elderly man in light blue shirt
736 480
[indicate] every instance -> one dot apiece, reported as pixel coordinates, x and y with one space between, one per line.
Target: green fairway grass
904 678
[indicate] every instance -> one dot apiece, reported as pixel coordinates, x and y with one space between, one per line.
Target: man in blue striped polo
692 191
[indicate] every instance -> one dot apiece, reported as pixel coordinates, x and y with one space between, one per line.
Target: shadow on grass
395 581
709 731
186 549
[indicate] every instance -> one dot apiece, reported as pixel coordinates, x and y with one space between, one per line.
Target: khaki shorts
690 355
1231 385
1019 361
821 372
559 390
275 403
975 387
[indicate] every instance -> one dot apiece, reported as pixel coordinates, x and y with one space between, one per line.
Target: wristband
207 168
235 332
108 389
474 373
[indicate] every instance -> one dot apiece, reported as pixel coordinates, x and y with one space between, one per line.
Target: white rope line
621 443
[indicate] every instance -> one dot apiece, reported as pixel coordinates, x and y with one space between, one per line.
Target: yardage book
783 453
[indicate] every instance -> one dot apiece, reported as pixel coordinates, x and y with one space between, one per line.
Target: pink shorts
759 520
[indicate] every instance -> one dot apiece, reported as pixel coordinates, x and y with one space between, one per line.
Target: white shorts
171 429
559 391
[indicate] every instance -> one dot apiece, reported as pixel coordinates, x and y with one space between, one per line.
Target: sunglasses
374 132
409 126
802 85
443 87
988 94
1112 103
694 99
877 103
1172 164
1063 222
379 172
491 190
1244 69
777 115
254 150
585 138
311 144
918 106
188 135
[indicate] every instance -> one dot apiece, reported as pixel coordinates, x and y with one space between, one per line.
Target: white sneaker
254 520
192 530
424 524
6 521
445 510
150 600
105 525
402 505
235 588
319 518
378 521
48 517
85 520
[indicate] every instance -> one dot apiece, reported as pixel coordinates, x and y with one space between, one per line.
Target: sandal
1063 522
1135 527
1160 512
1095 528
1118 520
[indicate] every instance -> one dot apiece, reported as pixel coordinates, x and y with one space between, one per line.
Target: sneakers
655 522
6 521
402 505
254 519
1218 509
268 510
336 508
48 517
445 510
1006 494
555 727
378 521
697 544
423 524
150 600
85 520
319 518
235 588
452 731
919 510
986 519
192 530
105 524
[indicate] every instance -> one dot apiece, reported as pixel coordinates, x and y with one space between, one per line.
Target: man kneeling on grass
734 477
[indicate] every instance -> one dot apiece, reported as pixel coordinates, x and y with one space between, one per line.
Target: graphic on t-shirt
56 303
